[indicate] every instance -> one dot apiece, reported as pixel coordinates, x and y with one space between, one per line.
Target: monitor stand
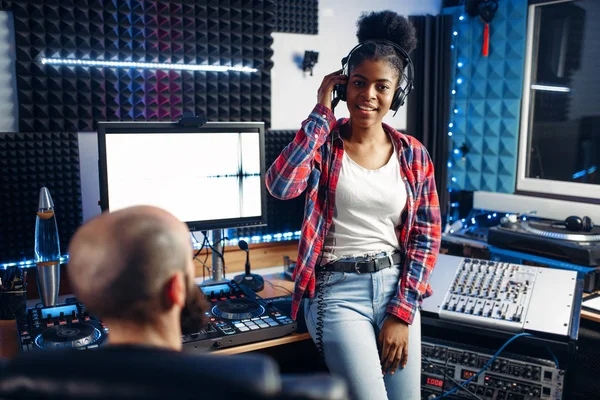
218 271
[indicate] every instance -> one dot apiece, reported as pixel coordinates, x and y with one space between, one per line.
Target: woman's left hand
393 342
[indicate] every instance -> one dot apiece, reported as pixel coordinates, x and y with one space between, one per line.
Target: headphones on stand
408 74
576 224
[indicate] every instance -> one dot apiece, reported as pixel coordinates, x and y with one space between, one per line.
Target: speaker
408 74
576 224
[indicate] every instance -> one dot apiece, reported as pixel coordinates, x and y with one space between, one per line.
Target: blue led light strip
131 64
460 79
268 238
276 237
28 263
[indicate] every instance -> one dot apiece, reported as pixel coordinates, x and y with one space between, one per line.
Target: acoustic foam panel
488 100
29 161
71 98
282 215
297 16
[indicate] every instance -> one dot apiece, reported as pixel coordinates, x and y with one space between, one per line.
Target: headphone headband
402 53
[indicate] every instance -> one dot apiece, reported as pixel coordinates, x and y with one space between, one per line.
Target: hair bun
386 25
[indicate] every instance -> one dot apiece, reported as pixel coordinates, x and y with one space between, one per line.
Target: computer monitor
559 138
210 176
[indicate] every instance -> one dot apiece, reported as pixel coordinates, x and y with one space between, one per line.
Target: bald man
133 269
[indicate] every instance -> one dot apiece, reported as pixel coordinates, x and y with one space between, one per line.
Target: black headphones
576 224
408 74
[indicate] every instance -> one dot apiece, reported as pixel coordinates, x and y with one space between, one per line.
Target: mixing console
504 296
490 294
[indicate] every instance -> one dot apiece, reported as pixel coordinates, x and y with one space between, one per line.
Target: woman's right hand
326 89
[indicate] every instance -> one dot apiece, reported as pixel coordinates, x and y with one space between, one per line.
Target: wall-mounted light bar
130 64
549 88
28 263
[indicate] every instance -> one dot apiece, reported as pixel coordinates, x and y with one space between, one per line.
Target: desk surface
590 315
275 286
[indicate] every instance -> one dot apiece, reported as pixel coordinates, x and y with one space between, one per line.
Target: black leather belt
363 266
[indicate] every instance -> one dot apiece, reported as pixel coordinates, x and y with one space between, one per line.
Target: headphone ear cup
340 91
398 101
573 223
587 224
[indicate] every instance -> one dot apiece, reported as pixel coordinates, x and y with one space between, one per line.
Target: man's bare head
120 262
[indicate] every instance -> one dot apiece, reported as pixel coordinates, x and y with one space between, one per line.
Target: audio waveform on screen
240 175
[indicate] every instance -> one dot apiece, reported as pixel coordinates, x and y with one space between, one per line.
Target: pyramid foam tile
488 100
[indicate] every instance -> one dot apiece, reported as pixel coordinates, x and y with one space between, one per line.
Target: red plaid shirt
303 165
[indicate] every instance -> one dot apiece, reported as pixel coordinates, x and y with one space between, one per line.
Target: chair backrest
121 372
134 372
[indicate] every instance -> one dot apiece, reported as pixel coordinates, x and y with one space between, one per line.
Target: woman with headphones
372 226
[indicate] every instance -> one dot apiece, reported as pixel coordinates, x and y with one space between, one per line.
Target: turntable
546 238
64 326
238 309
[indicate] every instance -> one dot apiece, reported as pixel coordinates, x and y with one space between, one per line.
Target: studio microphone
253 281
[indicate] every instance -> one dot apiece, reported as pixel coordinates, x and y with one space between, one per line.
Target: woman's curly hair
383 25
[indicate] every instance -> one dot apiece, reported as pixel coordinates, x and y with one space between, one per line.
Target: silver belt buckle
356 268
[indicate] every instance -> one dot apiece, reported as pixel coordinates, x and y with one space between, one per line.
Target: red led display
434 382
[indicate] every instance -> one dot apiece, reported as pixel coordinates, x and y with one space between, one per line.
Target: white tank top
368 208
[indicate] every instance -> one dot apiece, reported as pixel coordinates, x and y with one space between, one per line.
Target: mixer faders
489 293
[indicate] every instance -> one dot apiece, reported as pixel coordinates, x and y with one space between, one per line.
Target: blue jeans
355 309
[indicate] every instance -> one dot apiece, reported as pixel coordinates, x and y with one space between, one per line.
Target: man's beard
193 315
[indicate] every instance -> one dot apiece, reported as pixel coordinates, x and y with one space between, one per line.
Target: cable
202 246
278 286
215 251
323 277
553 356
462 385
443 372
